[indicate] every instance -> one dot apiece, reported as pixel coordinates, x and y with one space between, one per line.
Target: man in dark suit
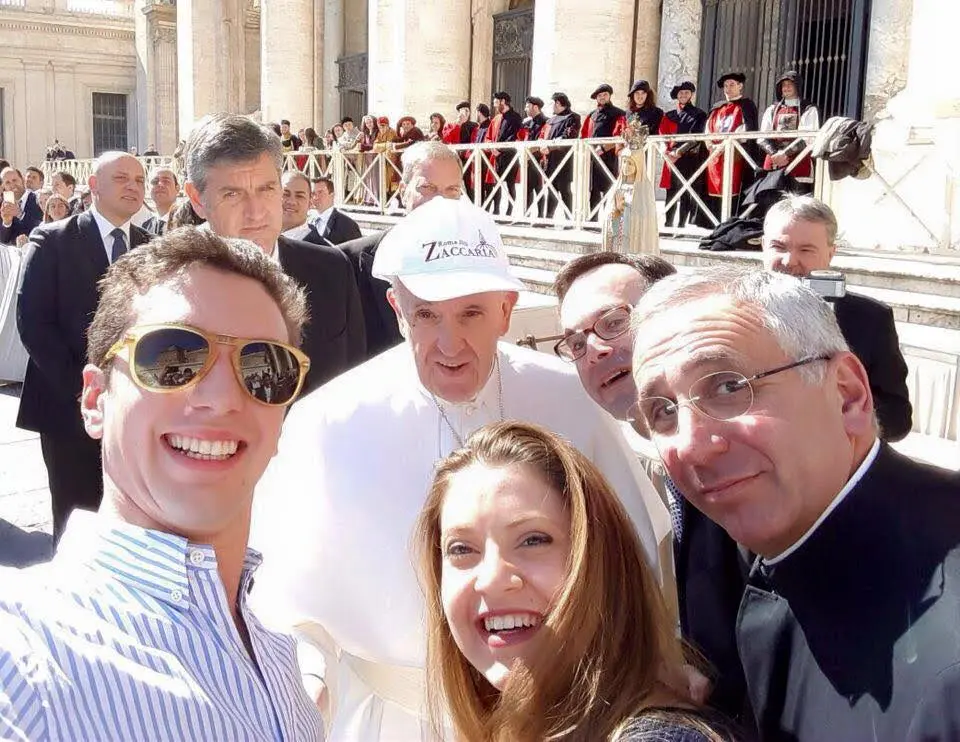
20 212
164 189
233 181
331 226
799 236
58 297
764 419
429 169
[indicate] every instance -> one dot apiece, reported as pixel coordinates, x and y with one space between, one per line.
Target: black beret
462 104
602 89
562 99
639 85
503 95
535 101
685 85
738 76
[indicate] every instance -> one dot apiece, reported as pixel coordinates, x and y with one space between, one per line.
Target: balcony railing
368 182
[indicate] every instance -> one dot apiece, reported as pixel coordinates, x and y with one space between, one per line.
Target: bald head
118 184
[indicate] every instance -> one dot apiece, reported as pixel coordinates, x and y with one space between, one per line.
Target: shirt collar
487 397
153 562
106 227
847 488
324 216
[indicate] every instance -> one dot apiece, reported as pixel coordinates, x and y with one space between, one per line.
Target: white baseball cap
445 249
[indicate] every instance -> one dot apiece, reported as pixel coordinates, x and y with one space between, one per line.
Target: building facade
98 74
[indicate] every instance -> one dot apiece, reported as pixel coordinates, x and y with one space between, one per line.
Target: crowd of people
502 122
454 537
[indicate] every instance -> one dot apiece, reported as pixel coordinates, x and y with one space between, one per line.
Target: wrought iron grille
109 122
512 53
352 84
825 41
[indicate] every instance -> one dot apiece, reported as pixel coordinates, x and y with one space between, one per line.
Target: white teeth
510 622
205 450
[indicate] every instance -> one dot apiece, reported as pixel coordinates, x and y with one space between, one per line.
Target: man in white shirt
58 297
335 512
330 226
20 212
296 202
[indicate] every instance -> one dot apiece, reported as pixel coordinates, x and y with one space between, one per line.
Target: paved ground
25 523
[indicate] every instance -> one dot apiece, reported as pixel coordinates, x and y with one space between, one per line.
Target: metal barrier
541 183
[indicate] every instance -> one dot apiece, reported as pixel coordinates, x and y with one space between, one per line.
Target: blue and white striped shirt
127 635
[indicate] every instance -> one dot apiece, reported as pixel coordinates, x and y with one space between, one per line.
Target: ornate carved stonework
353 72
513 34
100 32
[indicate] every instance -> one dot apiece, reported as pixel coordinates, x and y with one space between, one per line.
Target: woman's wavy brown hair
603 644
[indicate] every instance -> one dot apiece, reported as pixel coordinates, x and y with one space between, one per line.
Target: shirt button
176 595
196 557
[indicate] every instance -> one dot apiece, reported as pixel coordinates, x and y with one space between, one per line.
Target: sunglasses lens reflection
270 372
170 357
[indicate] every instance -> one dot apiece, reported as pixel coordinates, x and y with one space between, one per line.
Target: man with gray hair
58 296
233 181
799 237
765 421
430 169
336 549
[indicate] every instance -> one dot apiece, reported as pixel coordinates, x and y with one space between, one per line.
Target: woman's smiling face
505 543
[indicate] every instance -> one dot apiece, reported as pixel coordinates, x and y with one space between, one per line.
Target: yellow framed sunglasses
174 357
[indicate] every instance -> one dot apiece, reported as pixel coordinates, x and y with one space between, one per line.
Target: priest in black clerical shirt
764 419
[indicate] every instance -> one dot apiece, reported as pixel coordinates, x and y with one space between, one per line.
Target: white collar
106 227
298 232
851 483
324 215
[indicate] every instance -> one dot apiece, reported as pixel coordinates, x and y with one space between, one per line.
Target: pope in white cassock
334 513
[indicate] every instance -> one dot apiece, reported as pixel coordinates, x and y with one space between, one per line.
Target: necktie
119 245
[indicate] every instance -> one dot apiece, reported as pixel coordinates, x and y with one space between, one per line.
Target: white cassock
335 511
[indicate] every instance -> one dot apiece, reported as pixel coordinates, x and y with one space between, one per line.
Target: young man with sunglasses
847 629
139 628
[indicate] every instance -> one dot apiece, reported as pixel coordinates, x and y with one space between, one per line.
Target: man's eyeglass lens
608 326
170 357
722 396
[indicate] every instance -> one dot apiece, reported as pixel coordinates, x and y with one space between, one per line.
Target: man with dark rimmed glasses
139 628
764 419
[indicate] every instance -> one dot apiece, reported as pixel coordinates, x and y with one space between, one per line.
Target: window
109 122
822 40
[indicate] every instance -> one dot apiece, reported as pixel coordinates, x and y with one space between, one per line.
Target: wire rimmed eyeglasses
722 395
611 324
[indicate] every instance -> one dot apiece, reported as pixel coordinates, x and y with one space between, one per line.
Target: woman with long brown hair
642 102
544 619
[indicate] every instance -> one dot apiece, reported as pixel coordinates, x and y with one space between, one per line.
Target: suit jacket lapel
93 242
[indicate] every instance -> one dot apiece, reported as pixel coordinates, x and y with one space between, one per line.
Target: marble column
419 56
287 61
647 44
252 56
680 28
888 54
210 55
328 50
156 44
38 121
576 48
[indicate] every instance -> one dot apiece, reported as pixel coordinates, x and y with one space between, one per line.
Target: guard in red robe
687 157
733 114
790 112
606 120
505 127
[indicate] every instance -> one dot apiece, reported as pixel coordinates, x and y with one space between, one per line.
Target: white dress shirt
298 233
335 511
320 222
127 635
106 228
